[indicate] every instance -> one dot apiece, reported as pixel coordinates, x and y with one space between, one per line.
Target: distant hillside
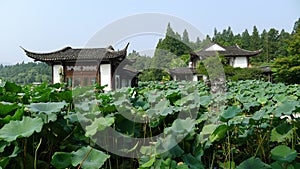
26 73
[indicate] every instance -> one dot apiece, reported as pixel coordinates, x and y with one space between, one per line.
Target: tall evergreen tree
282 44
287 69
227 37
217 38
185 37
237 39
169 48
296 26
272 43
264 57
255 39
246 40
294 42
170 31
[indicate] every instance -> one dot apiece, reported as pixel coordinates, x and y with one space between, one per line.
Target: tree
282 44
25 73
246 40
170 31
255 39
294 42
141 62
169 48
238 39
227 37
217 38
272 43
264 57
153 74
185 37
287 69
296 26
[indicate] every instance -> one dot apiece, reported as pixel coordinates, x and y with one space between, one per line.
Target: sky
45 26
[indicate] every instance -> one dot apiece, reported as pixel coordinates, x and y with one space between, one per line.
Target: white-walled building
86 66
236 56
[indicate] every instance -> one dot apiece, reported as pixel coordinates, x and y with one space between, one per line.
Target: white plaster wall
195 78
56 70
240 62
215 47
105 75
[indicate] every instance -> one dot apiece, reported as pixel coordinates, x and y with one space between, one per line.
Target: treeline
173 51
280 50
26 73
273 42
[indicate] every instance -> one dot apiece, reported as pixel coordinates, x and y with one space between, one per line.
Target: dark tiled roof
266 69
230 51
70 54
182 70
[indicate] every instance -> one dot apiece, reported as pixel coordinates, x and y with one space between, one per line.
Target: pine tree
170 31
246 40
185 37
282 44
272 43
227 37
265 46
255 39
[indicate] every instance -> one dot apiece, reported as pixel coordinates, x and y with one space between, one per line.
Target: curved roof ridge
236 45
68 53
47 53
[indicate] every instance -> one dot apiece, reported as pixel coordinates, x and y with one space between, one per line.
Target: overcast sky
47 26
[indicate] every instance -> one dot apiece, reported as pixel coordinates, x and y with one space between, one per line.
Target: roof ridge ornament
110 47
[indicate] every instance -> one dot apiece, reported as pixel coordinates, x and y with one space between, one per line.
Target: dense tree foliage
26 73
173 50
287 69
272 43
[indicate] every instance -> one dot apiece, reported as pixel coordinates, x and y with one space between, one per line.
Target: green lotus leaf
283 153
282 133
280 98
3 144
12 87
47 108
253 163
230 112
95 158
247 106
24 128
162 108
148 163
192 161
183 126
218 133
173 152
262 100
61 160
286 108
189 99
205 100
259 115
6 107
99 124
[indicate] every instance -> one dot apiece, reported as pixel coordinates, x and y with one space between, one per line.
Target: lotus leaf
24 128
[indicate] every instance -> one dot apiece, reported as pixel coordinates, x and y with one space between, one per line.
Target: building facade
236 56
86 66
